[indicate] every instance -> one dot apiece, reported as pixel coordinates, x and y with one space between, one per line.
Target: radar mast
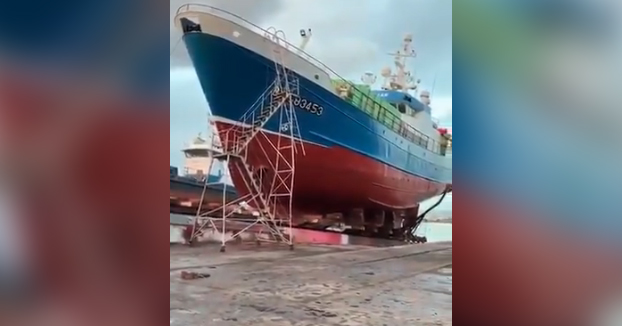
402 80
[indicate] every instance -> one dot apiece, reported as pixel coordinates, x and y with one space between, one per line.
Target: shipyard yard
295 142
312 285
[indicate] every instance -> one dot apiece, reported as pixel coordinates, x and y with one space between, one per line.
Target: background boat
188 188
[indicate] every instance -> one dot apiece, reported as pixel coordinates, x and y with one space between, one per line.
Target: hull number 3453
306 105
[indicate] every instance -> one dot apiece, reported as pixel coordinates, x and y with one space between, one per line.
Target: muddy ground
312 285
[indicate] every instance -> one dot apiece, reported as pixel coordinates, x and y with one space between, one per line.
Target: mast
402 80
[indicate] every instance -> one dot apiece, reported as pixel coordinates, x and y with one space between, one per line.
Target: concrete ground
313 285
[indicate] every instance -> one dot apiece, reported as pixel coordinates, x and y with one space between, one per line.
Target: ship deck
312 285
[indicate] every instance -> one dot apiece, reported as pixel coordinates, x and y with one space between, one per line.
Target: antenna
306 37
406 51
434 84
425 98
369 78
403 80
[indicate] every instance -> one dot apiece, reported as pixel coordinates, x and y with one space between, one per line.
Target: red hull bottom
329 180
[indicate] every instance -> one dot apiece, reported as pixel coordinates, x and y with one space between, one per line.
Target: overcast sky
351 37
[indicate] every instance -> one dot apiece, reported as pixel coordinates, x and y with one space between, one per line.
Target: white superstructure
403 80
198 156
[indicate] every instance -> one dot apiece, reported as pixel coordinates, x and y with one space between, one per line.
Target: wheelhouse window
402 108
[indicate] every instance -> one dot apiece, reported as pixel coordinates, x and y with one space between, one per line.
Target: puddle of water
334 238
435 232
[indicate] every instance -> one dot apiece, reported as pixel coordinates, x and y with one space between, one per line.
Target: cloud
356 38
353 39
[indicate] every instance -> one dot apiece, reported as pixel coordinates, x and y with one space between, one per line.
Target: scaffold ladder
275 200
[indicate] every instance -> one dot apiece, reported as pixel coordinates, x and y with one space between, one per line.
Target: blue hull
196 187
233 78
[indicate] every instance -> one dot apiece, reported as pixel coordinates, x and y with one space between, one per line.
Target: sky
350 37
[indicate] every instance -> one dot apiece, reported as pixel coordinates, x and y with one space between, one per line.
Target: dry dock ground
313 285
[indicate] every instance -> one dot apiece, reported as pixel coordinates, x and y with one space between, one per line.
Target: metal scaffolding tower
269 188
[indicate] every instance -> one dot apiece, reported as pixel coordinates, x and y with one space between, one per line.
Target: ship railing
394 122
413 133
207 9
250 114
232 140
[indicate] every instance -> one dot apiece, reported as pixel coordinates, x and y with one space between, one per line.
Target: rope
412 227
176 45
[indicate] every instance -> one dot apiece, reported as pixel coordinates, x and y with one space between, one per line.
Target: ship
370 156
197 185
